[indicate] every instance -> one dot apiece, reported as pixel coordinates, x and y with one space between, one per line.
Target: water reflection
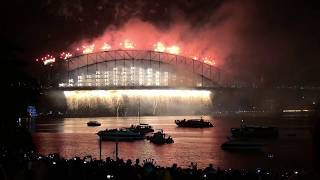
72 137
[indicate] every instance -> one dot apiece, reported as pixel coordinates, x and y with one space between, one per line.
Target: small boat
160 138
242 144
122 134
93 123
193 123
254 131
141 128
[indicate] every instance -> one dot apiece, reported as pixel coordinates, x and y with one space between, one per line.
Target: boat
193 123
255 131
160 138
141 128
93 123
242 144
122 134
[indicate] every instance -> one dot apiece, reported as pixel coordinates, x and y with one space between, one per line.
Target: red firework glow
88 49
159 47
127 44
105 47
141 35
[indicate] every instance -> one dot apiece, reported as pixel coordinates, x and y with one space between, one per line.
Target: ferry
193 123
122 134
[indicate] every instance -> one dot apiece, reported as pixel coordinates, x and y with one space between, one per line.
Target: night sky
274 42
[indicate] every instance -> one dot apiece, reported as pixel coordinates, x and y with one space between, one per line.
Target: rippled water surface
72 137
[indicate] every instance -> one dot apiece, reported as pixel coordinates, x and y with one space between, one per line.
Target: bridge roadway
216 88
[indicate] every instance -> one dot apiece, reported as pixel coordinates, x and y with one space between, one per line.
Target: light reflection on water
72 137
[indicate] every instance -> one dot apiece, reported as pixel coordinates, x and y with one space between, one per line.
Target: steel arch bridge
136 68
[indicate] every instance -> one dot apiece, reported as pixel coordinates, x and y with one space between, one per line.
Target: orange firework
87 49
105 47
209 60
159 47
173 50
127 44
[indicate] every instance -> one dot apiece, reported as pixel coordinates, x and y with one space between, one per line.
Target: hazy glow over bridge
152 101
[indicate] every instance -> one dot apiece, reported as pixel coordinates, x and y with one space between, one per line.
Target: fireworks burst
47 59
159 47
127 44
105 47
88 49
65 55
173 50
209 60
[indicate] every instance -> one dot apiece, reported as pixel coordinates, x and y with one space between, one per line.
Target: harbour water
72 137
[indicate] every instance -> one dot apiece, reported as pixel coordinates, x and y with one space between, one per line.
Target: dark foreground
52 167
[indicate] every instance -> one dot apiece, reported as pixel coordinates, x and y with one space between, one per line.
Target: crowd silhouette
30 165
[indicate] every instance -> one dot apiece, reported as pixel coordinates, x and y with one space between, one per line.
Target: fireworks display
137 35
48 59
65 55
126 44
209 60
88 48
154 101
173 50
159 47
105 47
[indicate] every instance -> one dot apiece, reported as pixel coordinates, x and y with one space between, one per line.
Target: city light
120 76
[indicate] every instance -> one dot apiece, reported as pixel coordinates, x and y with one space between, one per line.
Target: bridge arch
137 68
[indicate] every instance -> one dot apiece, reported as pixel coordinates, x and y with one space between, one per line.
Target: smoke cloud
219 37
268 42
250 41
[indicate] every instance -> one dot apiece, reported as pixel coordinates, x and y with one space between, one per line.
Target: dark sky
277 41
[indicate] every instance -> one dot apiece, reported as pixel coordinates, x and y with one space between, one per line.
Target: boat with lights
122 134
194 123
